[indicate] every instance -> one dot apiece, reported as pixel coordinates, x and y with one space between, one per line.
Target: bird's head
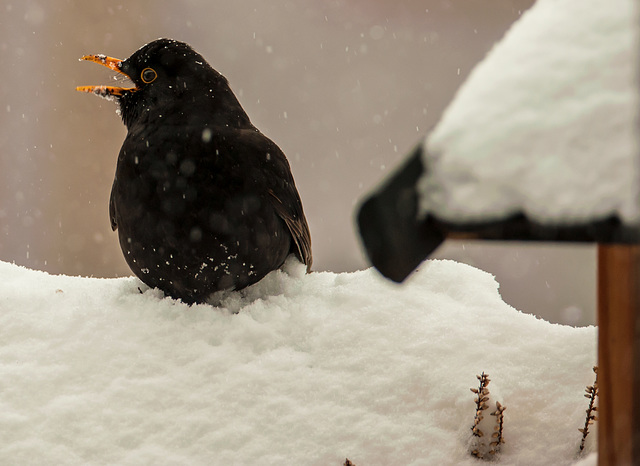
162 73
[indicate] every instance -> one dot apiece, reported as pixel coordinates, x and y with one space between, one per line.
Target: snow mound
546 124
298 369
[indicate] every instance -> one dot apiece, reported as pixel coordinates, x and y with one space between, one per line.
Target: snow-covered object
546 124
298 369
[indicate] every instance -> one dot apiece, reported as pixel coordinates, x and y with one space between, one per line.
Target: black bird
201 199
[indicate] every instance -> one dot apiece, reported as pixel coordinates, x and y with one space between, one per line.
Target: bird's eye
148 75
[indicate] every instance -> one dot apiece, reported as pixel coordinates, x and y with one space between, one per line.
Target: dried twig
591 392
481 399
497 437
479 448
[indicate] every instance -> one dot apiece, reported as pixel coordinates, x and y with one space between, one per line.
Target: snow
546 123
298 369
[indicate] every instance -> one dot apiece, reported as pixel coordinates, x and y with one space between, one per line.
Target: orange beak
114 64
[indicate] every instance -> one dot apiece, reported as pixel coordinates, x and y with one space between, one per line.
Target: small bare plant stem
497 436
591 392
479 448
482 397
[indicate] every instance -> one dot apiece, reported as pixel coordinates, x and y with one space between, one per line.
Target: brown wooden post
619 354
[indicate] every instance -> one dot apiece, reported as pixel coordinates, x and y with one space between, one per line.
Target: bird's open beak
114 64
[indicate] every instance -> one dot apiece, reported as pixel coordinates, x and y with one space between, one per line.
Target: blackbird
201 199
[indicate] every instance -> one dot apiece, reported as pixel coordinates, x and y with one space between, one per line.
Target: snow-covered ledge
298 369
546 125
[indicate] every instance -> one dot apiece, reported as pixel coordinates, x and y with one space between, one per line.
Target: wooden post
619 354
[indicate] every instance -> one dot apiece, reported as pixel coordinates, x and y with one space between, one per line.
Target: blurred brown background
345 87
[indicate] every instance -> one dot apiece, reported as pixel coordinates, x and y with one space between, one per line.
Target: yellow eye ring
148 75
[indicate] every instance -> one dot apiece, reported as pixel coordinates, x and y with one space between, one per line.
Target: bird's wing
297 225
281 188
112 208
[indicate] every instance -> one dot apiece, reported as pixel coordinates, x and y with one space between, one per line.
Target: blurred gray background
344 87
